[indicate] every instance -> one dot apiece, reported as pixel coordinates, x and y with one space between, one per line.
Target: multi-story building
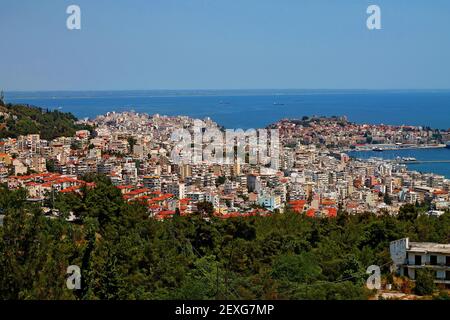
196 196
270 202
152 182
412 256
178 189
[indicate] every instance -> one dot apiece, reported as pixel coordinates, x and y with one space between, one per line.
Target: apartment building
412 256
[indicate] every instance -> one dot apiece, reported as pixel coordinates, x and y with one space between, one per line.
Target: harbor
402 161
387 147
430 159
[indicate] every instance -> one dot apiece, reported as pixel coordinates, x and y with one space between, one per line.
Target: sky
224 44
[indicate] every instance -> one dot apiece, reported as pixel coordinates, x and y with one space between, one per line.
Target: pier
420 161
387 147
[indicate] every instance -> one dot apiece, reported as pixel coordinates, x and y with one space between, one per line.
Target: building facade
412 256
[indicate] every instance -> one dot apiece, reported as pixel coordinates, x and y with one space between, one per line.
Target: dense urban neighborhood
311 174
110 197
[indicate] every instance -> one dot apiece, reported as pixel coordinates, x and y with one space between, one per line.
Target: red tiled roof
136 192
332 212
297 202
311 212
124 187
70 189
32 184
163 197
167 213
327 202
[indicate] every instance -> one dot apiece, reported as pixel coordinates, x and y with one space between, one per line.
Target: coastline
425 159
387 147
416 107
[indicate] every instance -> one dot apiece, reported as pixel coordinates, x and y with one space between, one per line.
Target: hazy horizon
231 90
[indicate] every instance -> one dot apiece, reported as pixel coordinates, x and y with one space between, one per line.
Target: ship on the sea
405 159
408 159
447 145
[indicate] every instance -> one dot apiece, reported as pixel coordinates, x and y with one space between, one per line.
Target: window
418 260
433 260
447 260
447 275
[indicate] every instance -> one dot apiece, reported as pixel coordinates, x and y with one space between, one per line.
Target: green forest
123 254
16 120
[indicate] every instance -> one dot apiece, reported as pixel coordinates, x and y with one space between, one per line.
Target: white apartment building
412 256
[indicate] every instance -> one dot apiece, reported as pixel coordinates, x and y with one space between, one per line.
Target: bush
424 282
442 296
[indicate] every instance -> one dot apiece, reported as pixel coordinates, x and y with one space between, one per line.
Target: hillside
18 120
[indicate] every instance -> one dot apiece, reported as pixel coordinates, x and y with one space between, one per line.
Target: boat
278 104
409 159
377 149
447 145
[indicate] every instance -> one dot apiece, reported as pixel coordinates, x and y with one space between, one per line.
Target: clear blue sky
224 44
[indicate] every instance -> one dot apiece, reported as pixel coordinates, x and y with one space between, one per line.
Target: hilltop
16 120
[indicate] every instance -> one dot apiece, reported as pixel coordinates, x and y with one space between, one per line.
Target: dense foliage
18 120
424 282
125 255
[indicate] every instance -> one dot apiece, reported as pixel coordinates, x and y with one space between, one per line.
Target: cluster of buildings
338 132
312 173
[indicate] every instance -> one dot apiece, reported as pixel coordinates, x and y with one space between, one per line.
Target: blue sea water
259 108
419 154
256 108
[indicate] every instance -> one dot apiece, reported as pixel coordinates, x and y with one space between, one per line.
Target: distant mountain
16 120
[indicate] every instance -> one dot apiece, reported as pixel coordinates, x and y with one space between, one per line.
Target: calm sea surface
259 108
419 154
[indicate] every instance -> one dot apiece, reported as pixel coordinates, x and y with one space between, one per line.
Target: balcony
429 265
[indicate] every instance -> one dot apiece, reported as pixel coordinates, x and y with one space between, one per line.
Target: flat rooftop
429 247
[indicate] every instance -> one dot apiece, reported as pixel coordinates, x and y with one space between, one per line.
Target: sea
258 108
433 154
